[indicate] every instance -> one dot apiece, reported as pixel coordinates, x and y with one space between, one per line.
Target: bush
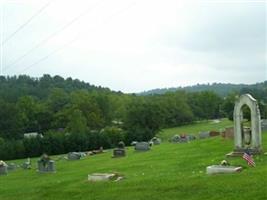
111 136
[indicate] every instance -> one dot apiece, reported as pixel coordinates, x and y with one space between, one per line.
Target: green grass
168 171
166 134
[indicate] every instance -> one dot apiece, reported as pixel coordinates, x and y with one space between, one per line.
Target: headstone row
183 138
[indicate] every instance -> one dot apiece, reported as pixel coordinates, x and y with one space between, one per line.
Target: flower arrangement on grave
225 163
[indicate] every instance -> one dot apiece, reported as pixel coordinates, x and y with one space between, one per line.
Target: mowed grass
200 126
168 171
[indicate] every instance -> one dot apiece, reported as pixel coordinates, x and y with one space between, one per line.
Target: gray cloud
151 44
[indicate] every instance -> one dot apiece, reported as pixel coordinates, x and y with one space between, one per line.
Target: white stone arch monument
246 139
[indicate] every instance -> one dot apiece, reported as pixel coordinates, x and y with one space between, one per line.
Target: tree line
75 116
222 89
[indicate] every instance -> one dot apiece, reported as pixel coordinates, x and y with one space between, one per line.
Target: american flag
248 157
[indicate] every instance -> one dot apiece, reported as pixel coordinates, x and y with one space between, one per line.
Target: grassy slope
166 134
168 171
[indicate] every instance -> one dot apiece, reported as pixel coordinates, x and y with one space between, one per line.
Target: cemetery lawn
168 171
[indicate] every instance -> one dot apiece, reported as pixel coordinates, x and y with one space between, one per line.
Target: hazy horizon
135 46
178 86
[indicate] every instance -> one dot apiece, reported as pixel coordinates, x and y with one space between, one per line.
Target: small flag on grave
248 157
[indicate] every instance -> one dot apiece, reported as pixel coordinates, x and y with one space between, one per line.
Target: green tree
28 108
11 125
57 100
176 110
77 122
205 105
229 104
89 107
143 120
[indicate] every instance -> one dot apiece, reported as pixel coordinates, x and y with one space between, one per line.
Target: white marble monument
219 169
244 137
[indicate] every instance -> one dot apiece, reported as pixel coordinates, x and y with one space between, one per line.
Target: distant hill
14 87
222 89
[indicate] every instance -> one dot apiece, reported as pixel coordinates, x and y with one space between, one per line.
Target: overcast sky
136 45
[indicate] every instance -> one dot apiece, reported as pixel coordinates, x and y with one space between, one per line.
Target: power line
51 36
26 23
48 55
73 40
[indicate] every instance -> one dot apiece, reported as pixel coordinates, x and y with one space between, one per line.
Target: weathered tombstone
244 138
3 168
214 133
228 133
220 169
100 177
156 141
96 177
74 156
51 166
191 137
120 150
133 143
83 154
45 164
264 125
100 150
175 139
204 134
119 153
27 164
142 146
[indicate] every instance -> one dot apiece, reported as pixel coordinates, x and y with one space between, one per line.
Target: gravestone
100 177
204 135
175 139
133 143
142 146
27 164
156 141
74 156
191 137
45 164
3 168
98 151
214 133
120 150
83 154
48 167
220 169
228 133
119 153
244 138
